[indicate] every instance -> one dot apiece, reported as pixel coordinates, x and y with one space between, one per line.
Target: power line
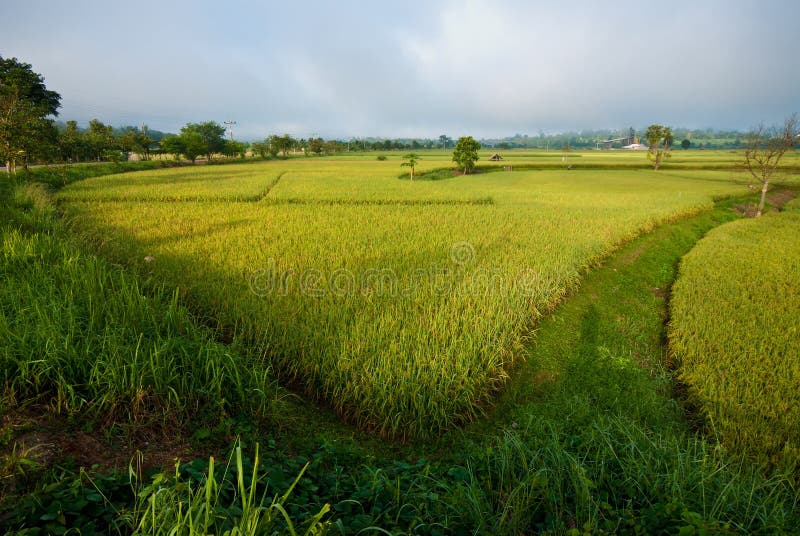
230 127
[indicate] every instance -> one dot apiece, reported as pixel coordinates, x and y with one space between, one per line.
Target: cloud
358 68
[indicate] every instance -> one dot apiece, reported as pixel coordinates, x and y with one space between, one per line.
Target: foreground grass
735 332
80 335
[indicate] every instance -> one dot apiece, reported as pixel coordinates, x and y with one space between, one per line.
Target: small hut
495 157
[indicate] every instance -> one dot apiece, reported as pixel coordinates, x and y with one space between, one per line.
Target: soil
51 440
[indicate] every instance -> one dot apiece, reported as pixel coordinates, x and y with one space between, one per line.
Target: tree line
28 134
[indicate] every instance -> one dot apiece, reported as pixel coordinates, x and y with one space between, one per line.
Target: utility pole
230 127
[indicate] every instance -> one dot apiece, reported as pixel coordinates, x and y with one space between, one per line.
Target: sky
486 68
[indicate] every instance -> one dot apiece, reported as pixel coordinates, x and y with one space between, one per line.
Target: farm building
495 157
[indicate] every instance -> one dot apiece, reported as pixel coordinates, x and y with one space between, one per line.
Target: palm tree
411 160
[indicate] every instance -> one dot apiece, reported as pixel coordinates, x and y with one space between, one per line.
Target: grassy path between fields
616 319
618 314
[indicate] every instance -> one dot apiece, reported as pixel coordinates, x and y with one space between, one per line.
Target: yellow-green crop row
246 182
405 317
735 331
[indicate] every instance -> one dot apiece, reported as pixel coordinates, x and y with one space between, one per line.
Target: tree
261 148
659 138
235 148
282 144
316 145
444 140
25 109
213 135
466 153
686 143
173 145
764 149
411 160
194 144
99 138
72 145
136 141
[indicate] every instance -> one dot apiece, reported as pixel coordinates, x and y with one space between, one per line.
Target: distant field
403 305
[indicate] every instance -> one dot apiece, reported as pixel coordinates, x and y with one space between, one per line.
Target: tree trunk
763 199
412 173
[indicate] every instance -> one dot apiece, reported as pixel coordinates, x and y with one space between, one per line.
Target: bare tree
763 152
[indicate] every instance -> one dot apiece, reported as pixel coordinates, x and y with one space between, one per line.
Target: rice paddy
402 305
735 331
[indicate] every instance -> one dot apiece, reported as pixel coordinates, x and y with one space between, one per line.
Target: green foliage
175 146
411 160
193 145
261 148
734 332
235 149
316 145
91 503
57 176
26 130
281 144
233 503
659 139
136 141
465 153
83 334
203 138
686 143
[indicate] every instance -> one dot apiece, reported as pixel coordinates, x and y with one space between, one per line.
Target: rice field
402 305
735 332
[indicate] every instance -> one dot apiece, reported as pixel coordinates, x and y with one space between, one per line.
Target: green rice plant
60 175
735 334
395 330
237 182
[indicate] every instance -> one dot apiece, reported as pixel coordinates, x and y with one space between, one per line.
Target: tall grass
82 335
605 474
171 505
